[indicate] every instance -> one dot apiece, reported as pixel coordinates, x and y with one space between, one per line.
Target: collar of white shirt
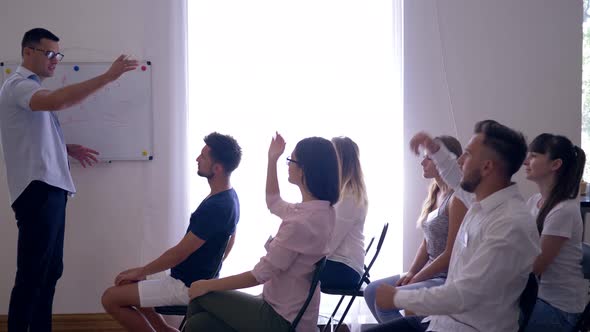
492 201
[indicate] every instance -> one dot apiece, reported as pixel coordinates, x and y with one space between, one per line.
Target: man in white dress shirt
495 247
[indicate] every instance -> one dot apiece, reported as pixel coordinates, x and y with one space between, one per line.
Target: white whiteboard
117 120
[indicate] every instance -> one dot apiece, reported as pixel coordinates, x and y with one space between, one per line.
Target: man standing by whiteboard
38 173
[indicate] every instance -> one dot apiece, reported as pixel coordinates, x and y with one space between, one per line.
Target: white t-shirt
562 284
347 241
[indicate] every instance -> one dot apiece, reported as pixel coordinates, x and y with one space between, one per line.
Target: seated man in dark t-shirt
208 240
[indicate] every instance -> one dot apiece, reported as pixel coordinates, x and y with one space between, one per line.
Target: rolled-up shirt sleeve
277 206
24 90
451 173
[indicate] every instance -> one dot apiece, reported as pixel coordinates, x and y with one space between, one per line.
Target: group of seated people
481 241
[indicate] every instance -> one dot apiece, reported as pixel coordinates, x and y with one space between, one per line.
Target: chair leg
345 312
182 323
329 323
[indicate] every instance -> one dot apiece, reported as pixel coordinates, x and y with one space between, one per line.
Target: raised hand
120 66
276 148
84 155
424 140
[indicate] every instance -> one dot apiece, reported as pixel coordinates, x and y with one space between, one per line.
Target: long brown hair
453 145
351 173
568 176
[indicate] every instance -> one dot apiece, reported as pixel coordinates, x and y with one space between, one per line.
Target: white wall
518 62
123 211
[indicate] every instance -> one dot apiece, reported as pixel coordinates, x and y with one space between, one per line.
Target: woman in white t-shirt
344 266
556 166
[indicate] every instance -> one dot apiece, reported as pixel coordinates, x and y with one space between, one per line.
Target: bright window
303 68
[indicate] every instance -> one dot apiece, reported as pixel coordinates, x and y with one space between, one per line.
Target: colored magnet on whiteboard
8 71
76 68
143 68
144 153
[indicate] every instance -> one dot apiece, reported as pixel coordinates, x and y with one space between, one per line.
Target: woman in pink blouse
286 270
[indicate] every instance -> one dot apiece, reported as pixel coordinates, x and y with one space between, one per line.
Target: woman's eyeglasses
289 161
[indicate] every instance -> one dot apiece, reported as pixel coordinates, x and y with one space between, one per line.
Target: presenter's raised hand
120 66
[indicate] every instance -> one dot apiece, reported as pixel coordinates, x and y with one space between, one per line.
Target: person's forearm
238 281
70 95
420 259
168 260
272 182
447 167
440 264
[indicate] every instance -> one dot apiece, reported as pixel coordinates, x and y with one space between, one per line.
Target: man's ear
218 168
488 167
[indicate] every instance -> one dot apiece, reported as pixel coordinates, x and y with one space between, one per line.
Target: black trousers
404 324
40 214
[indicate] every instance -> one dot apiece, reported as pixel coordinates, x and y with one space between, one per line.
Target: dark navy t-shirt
214 221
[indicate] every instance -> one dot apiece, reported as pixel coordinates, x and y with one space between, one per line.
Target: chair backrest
527 301
586 260
319 267
365 276
583 323
369 245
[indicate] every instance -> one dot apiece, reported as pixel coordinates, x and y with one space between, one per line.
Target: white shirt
347 242
562 284
492 257
32 141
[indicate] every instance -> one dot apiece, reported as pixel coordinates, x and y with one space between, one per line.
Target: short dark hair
509 144
33 37
224 150
321 173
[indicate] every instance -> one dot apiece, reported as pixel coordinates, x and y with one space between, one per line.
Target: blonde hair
351 173
453 145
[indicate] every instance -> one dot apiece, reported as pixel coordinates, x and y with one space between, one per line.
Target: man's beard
471 183
208 175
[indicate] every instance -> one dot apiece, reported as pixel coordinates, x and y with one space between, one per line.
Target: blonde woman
344 266
440 219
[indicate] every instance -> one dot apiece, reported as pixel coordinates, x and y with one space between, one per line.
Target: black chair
583 323
319 267
174 310
359 290
527 301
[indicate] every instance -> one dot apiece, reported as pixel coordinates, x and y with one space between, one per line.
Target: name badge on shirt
465 239
267 244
